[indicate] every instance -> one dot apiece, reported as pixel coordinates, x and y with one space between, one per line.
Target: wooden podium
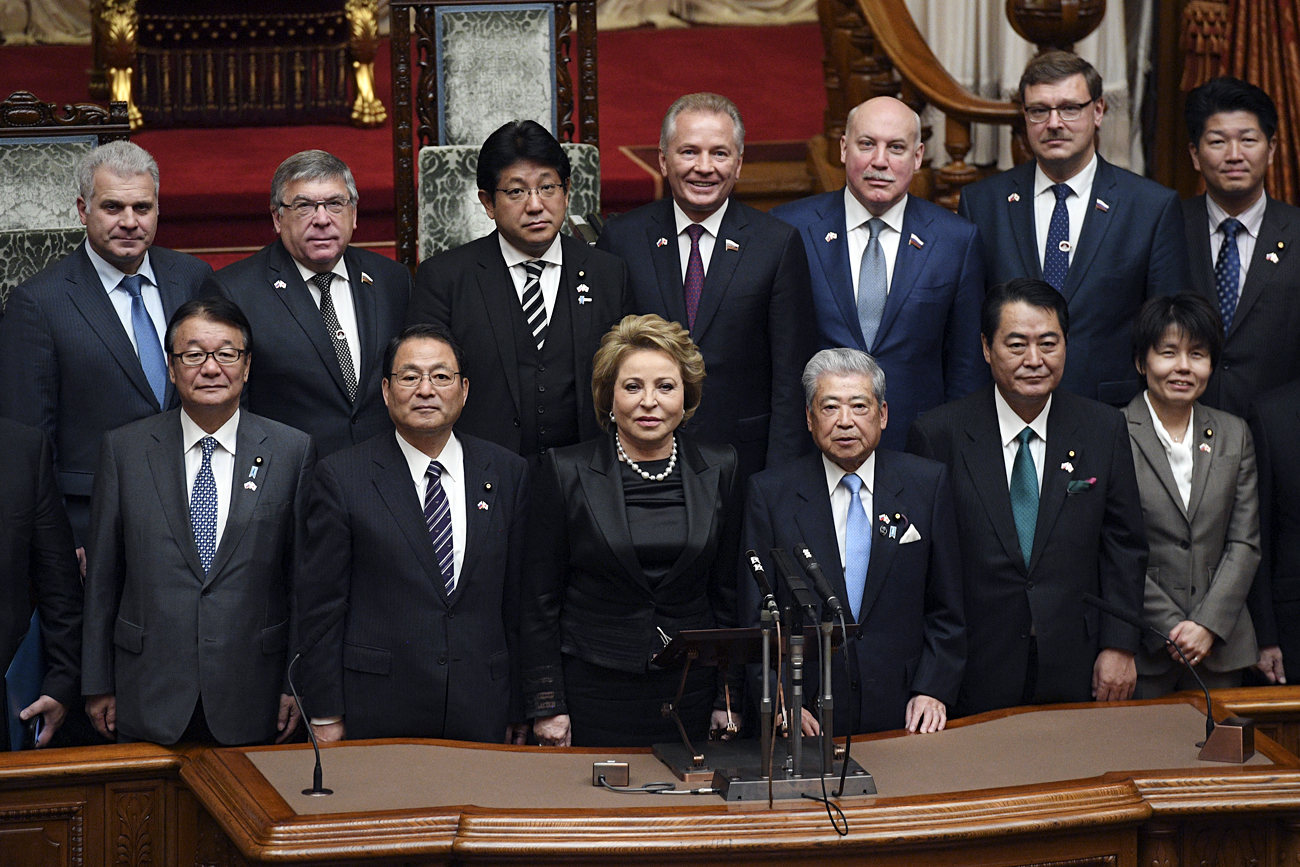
1115 784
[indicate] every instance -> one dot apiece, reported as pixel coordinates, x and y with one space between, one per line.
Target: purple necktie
437 516
694 274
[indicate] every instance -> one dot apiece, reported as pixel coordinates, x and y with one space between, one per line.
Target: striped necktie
534 305
437 517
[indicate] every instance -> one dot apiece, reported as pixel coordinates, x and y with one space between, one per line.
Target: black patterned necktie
1056 258
337 337
203 506
437 517
534 305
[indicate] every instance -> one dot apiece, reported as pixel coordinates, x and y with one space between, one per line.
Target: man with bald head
894 275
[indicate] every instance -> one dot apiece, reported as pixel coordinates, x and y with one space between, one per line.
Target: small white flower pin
732 246
1068 467
280 284
831 236
482 505
1014 197
662 242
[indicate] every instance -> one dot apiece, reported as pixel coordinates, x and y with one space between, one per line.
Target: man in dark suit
1103 237
894 275
1231 125
418 536
327 309
1274 601
38 567
196 531
1047 509
80 347
736 278
899 574
528 304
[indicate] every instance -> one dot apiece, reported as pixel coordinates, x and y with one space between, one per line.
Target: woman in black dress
634 539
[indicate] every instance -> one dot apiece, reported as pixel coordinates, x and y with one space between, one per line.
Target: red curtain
1262 49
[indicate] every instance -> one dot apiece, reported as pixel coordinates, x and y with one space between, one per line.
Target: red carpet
216 182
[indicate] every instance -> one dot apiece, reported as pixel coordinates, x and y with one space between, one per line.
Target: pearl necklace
668 471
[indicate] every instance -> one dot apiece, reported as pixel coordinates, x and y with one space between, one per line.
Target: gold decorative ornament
363 19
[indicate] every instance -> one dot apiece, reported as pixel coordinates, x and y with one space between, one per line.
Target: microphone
819 581
1119 613
756 569
789 573
317 774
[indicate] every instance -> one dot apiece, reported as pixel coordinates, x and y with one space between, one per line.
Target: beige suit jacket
1203 557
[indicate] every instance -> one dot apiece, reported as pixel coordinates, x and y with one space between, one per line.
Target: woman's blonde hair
635 333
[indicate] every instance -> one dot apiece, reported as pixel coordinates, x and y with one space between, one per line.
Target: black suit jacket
408 661
469 290
1261 351
912 633
1131 246
68 366
37 562
1091 540
585 593
755 324
1274 601
295 377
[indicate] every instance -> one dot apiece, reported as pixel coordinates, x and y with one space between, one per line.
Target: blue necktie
147 345
857 545
203 507
1227 271
437 517
1056 258
1024 494
873 284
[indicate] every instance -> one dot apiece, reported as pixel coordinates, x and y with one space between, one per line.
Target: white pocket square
910 536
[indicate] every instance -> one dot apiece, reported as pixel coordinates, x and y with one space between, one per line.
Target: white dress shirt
550 280
1076 205
452 458
856 217
111 278
1251 220
841 496
341 294
1009 427
223 462
1178 453
712 223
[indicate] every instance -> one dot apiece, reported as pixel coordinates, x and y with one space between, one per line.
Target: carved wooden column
1159 844
115 28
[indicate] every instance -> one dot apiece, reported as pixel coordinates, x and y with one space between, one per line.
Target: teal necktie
1024 494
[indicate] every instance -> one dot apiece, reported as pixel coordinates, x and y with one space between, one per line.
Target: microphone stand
317 775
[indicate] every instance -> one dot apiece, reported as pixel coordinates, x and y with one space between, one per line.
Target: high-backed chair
480 64
39 149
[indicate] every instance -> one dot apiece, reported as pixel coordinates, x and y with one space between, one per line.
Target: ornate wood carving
1238 844
588 105
563 80
363 22
116 30
1158 844
134 844
399 34
71 814
24 114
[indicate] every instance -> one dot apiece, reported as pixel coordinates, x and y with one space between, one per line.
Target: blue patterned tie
857 545
1227 271
1056 258
437 517
203 507
1024 494
146 339
873 284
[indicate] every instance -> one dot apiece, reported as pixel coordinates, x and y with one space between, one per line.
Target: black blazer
68 366
1092 540
295 376
408 661
1261 351
585 594
755 324
469 290
37 563
912 637
1274 600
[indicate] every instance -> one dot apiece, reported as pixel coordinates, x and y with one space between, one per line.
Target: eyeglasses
411 379
304 208
225 356
518 194
1070 111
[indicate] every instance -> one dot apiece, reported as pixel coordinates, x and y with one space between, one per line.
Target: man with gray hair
80 343
881 525
329 308
733 276
892 274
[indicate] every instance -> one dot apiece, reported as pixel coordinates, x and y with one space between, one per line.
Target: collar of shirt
110 276
452 458
712 223
1081 183
225 435
306 273
554 254
1166 439
1010 425
1251 219
856 215
866 472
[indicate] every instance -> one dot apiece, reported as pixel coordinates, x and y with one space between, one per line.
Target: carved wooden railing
873 48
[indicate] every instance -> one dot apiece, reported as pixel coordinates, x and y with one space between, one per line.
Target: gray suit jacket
146 590
1203 557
